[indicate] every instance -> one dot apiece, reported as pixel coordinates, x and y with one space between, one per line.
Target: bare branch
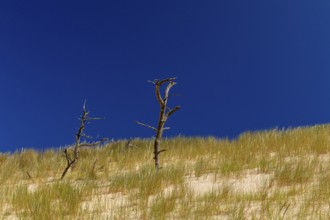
148 126
69 161
159 152
128 144
67 157
167 90
153 81
90 145
27 172
89 119
158 84
158 96
172 111
86 136
161 82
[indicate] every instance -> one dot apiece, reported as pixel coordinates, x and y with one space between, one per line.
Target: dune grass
274 174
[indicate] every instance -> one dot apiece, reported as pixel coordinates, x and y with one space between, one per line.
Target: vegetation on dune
271 174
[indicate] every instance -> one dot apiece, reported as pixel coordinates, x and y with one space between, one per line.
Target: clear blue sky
241 65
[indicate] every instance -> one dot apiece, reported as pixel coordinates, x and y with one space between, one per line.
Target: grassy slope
262 175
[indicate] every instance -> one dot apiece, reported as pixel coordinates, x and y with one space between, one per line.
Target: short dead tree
165 113
72 160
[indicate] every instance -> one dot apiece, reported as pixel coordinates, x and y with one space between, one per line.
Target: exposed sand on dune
249 182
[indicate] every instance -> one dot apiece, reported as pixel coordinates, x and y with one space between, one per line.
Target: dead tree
80 134
165 113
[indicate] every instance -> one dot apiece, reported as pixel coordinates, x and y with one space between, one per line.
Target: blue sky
241 66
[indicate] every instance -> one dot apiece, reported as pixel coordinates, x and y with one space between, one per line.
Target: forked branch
172 111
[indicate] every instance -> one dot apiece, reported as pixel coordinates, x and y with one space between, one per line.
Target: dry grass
275 174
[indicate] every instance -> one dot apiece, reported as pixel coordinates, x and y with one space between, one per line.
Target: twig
148 126
128 144
27 172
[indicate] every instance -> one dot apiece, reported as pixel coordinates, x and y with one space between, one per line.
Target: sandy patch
105 202
249 182
324 158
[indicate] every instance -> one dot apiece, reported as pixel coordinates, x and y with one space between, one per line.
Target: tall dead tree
165 113
84 118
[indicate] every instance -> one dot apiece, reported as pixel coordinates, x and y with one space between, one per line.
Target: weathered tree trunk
159 134
164 114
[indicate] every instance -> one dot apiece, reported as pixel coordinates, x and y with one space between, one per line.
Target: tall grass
116 182
47 202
